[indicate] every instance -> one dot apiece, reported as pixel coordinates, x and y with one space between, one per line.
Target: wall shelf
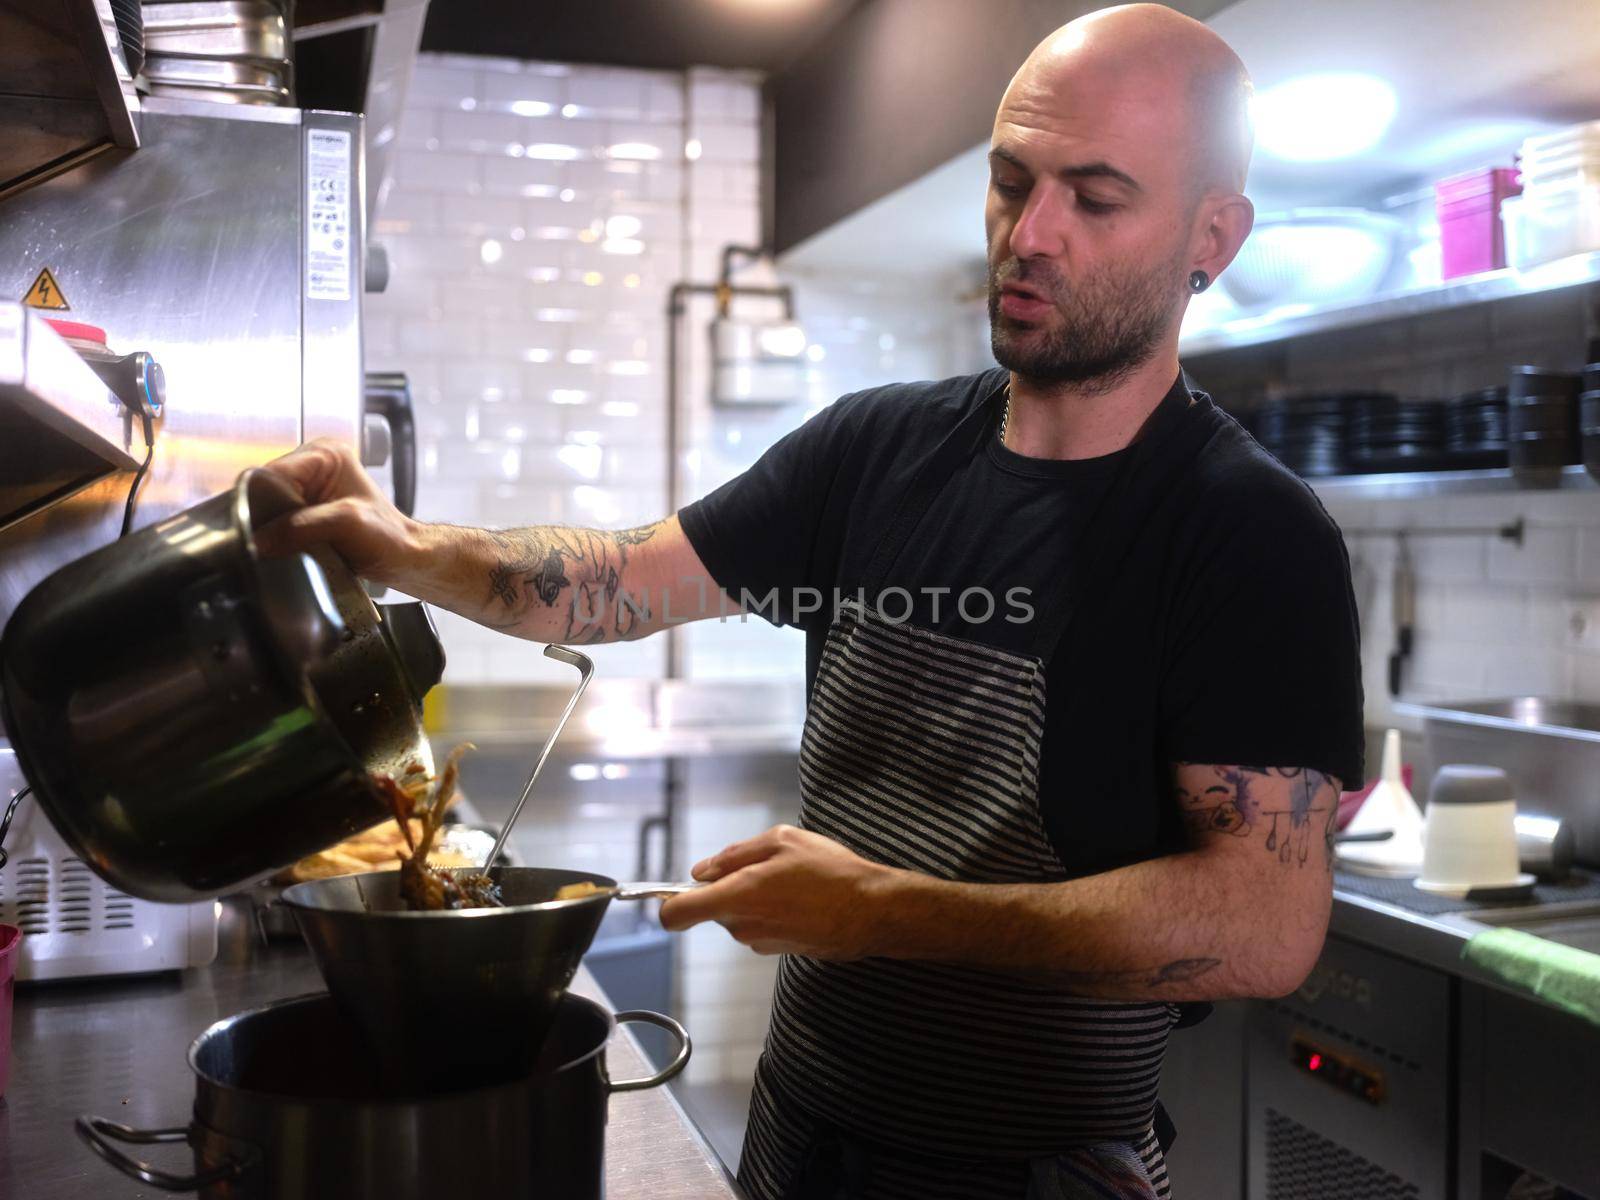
1423 484
1280 324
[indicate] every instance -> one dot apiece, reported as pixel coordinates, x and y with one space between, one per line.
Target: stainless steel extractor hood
65 91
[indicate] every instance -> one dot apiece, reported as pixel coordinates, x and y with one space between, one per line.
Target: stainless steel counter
1436 940
116 1048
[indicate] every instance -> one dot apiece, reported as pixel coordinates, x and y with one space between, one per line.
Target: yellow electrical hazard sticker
45 293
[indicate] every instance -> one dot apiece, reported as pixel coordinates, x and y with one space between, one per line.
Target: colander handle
679 1060
99 1133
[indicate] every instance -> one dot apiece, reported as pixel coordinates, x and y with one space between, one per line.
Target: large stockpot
288 1108
192 717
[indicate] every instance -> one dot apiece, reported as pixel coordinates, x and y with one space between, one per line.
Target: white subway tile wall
538 215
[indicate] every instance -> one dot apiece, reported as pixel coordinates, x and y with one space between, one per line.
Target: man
1032 826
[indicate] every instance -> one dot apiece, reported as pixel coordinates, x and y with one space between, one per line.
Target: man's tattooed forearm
1168 975
1284 801
579 571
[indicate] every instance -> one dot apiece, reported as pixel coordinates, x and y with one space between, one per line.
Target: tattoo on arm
1178 972
1287 803
580 572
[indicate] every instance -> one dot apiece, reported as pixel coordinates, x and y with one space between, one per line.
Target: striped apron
885 1078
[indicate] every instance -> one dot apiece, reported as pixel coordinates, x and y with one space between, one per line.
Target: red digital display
1346 1074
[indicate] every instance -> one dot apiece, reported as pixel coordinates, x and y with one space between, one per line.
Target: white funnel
1389 807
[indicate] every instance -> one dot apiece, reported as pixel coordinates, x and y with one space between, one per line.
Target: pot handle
679 1061
99 1133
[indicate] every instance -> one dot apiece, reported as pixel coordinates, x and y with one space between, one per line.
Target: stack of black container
1589 419
1475 430
1542 423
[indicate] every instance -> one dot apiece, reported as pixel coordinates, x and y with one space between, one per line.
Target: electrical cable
5 822
138 476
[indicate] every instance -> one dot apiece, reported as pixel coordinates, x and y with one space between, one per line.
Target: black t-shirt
1215 624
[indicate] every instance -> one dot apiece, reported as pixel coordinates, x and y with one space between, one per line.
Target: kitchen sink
1575 925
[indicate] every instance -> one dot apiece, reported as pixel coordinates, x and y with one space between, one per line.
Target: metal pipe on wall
677 306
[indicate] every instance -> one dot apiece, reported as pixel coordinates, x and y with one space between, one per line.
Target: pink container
1470 235
10 941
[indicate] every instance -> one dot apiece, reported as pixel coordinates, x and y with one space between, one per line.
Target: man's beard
1106 327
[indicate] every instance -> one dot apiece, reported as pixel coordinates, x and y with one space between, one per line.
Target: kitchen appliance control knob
136 379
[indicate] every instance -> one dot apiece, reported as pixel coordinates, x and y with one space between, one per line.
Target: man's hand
345 511
787 891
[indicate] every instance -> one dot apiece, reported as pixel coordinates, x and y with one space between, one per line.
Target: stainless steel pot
288 1108
192 717
496 976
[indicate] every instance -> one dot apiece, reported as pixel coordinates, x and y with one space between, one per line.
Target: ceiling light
1322 116
490 251
623 225
637 151
531 108
569 110
692 149
622 246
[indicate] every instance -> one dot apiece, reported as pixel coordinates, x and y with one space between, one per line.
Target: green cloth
1559 975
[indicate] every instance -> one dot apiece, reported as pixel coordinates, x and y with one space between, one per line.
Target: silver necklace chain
1005 416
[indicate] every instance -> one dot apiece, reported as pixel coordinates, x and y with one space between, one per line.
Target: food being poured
424 887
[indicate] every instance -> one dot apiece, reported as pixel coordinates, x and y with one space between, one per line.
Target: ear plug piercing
1199 281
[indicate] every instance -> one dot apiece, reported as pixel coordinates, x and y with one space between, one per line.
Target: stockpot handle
679 1061
99 1133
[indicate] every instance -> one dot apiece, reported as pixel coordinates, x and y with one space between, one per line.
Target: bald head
1116 172
1169 75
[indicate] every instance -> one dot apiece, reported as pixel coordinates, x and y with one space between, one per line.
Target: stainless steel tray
217 29
212 73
